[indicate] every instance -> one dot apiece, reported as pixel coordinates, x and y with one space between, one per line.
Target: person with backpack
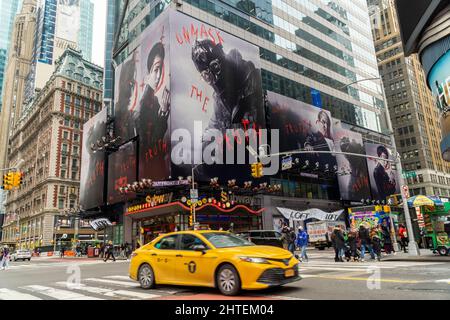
302 243
366 242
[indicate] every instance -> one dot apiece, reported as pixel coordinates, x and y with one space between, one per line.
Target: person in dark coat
376 242
388 248
366 242
352 243
109 252
338 241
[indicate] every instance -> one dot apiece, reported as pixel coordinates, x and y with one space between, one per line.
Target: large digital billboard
68 20
304 127
121 172
308 128
154 107
353 179
92 163
216 88
383 178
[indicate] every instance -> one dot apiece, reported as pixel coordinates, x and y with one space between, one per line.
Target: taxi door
194 267
163 259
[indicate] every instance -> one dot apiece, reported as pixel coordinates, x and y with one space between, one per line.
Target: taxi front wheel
146 277
228 281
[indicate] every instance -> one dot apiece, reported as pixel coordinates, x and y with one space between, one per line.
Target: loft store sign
309 214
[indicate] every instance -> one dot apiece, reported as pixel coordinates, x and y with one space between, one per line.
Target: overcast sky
98 47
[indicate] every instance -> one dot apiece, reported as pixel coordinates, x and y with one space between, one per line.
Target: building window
75 137
61 203
63 174
65 135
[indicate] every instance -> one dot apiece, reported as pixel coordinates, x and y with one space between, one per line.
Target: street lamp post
413 247
194 216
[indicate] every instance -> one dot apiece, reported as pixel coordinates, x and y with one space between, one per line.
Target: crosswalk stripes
111 293
8 294
131 284
58 294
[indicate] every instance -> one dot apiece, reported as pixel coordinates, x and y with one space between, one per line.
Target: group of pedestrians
353 245
5 256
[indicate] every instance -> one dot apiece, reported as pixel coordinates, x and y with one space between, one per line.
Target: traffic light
8 180
17 179
257 170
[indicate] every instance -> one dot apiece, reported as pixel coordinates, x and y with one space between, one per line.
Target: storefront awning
309 214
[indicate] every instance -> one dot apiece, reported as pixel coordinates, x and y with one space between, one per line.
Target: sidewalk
426 255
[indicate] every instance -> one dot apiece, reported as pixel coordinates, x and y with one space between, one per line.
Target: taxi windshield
224 240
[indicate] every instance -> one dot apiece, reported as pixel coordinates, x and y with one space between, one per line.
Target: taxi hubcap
146 276
227 280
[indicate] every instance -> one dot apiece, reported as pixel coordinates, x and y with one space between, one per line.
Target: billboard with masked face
352 170
93 163
216 95
383 178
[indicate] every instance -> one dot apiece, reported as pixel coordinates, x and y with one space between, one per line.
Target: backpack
292 236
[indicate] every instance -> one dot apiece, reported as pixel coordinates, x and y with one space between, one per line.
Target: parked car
265 238
21 255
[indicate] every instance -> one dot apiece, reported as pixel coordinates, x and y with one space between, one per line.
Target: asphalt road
54 279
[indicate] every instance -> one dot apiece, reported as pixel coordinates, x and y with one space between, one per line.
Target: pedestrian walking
109 252
291 238
376 242
387 241
403 234
5 259
366 243
352 244
62 252
337 238
302 243
285 237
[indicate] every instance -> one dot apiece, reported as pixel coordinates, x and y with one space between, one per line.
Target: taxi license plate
289 273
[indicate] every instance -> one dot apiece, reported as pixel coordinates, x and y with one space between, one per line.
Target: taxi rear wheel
146 277
228 281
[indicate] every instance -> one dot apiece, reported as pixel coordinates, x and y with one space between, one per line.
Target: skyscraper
61 24
411 105
8 11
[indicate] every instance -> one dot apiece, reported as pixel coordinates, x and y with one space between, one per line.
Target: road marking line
443 281
58 294
334 269
111 292
7 294
368 279
114 282
138 295
126 278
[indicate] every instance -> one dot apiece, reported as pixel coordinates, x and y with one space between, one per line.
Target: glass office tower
8 11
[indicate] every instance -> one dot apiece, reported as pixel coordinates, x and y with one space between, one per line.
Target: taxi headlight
255 260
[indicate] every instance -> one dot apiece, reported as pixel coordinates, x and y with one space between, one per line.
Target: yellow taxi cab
215 259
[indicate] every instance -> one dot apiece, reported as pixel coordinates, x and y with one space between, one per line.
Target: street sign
409 174
405 191
286 163
194 195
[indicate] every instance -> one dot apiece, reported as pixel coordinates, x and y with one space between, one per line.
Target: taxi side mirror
200 248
